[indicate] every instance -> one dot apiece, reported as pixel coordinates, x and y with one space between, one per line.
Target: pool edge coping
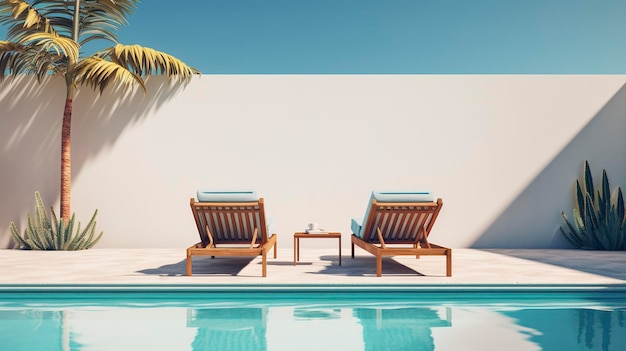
304 288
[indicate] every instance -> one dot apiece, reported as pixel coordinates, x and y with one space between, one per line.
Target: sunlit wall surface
502 151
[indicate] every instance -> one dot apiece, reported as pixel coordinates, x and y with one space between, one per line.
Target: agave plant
598 219
43 234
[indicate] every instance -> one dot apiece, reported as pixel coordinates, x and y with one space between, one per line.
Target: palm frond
10 46
41 44
17 58
98 18
98 73
115 10
145 61
23 19
52 43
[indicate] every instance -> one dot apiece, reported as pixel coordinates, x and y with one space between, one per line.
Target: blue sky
386 36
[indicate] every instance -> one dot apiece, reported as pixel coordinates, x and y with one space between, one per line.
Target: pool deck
164 269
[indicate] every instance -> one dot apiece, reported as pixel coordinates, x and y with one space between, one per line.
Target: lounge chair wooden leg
352 250
275 248
188 265
379 266
264 261
449 263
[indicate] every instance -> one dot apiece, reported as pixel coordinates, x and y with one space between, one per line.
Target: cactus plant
43 234
598 220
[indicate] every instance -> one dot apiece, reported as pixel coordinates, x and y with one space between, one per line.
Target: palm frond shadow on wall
30 135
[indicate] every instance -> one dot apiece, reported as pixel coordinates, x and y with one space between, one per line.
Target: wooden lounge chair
230 224
398 223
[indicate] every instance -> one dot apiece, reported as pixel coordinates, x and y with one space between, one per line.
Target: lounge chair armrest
356 226
269 222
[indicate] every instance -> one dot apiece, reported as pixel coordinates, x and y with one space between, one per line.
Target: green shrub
43 234
598 222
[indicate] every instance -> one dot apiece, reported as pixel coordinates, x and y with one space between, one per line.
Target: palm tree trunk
66 165
66 129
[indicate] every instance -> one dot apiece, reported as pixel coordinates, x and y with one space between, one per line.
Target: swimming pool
314 319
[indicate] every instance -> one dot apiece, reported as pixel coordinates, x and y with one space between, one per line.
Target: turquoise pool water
322 320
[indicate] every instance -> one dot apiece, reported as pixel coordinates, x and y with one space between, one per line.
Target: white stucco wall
502 151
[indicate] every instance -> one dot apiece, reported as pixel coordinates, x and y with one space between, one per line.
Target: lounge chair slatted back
230 223
401 223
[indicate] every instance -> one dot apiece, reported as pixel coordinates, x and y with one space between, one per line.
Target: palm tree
44 38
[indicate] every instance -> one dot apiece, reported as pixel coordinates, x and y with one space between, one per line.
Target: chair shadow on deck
362 266
204 266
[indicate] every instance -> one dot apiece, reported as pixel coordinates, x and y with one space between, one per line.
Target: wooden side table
298 235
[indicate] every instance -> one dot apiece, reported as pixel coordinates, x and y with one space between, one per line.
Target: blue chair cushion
207 195
356 225
403 196
390 196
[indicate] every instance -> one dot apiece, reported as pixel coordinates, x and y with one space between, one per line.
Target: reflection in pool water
311 324
400 328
